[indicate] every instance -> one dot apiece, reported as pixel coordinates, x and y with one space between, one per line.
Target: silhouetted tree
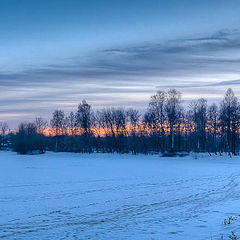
213 117
158 117
57 124
165 127
27 140
41 125
84 121
3 128
229 117
172 108
72 123
199 117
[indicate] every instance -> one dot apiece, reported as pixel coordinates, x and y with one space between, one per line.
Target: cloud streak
124 75
205 53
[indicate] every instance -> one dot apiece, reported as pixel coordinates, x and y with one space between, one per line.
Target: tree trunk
56 144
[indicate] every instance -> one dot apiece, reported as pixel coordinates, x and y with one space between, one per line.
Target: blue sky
113 52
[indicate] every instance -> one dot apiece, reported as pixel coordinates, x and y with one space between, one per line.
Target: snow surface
110 196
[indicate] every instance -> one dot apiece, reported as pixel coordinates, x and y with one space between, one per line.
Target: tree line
166 126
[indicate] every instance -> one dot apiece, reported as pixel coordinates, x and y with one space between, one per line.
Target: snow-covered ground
110 196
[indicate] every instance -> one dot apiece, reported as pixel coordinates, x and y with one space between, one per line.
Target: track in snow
80 196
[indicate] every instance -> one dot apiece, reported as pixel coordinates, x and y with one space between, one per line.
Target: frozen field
75 196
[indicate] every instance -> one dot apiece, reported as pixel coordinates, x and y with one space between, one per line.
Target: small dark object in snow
169 154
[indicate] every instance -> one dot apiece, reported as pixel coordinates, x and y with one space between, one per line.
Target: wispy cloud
124 75
203 53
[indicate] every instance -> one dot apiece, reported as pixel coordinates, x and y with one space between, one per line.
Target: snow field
111 196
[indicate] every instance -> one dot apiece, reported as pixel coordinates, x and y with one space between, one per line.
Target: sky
53 54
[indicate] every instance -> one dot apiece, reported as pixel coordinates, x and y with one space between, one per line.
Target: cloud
124 75
189 54
178 56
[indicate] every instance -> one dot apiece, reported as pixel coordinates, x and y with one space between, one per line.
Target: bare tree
158 116
57 123
84 117
120 120
4 128
213 117
72 123
172 108
165 126
114 121
99 124
84 121
134 123
66 125
229 116
41 125
134 119
201 121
